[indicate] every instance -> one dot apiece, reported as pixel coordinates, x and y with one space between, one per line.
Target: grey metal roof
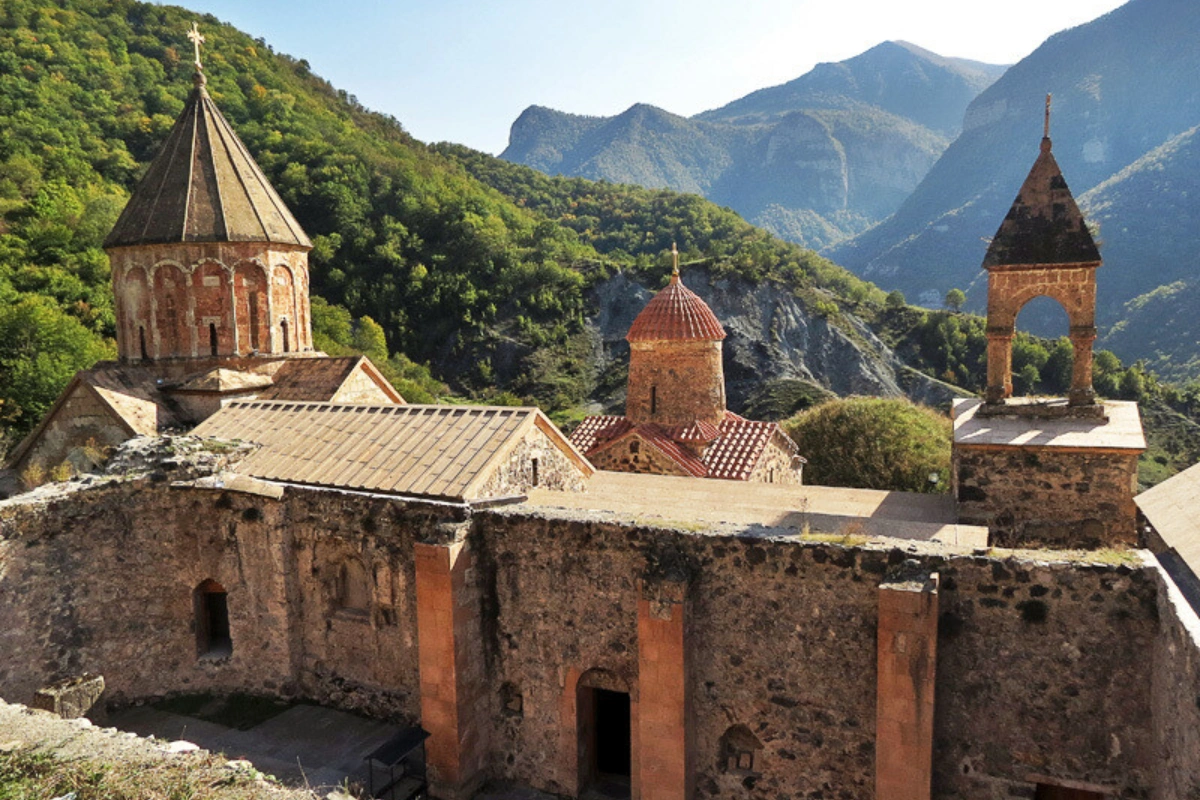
204 186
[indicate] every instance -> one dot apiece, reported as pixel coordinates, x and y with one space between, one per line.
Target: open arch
210 601
1009 291
602 713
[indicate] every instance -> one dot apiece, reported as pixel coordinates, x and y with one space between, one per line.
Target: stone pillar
906 673
448 638
663 695
999 365
1082 393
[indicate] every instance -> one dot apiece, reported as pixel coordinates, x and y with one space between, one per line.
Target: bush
874 443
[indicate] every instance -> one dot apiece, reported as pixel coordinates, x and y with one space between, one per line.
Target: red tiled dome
675 314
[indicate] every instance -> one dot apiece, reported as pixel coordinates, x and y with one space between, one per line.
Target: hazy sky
463 70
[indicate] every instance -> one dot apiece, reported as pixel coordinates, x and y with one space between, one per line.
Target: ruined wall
1175 680
1048 497
1044 669
81 422
106 580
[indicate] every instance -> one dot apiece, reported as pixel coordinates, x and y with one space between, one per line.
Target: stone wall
107 581
167 296
1048 497
515 476
633 454
775 464
675 383
360 387
81 424
1043 669
1175 680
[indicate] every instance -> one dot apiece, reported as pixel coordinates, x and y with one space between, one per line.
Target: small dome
675 314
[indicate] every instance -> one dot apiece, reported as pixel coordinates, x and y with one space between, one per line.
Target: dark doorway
212 337
212 620
283 327
1049 791
612 732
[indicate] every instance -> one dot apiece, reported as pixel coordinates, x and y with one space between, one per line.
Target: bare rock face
771 336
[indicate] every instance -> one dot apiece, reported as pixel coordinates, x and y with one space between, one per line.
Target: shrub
874 443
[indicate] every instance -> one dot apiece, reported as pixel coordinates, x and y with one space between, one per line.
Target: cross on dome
197 40
675 260
1046 129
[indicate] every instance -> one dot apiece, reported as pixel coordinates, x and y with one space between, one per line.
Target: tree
874 443
955 299
895 299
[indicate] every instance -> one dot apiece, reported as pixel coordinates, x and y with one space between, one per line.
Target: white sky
463 70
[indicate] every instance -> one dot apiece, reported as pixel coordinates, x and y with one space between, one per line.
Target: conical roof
203 186
675 314
1044 225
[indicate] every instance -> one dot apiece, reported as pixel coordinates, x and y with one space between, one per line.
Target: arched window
653 399
212 337
254 321
283 327
534 464
212 620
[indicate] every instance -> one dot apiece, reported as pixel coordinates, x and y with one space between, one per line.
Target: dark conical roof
675 314
203 186
1044 225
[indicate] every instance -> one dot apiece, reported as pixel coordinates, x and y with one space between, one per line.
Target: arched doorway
602 713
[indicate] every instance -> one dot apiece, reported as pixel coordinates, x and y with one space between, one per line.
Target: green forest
463 276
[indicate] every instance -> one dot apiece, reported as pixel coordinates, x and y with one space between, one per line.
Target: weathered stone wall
1043 669
82 422
1048 497
516 475
107 580
686 379
1175 681
360 388
633 454
775 465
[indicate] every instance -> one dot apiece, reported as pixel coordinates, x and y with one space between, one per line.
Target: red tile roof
734 453
675 314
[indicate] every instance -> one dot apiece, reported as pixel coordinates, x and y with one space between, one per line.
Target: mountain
814 160
1125 108
896 77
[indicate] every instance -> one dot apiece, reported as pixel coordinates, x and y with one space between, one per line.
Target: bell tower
207 261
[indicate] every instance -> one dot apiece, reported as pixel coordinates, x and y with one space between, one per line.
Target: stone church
424 564
675 420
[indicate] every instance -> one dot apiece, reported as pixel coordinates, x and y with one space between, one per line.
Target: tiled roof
738 445
742 442
445 452
1044 225
675 314
204 186
597 430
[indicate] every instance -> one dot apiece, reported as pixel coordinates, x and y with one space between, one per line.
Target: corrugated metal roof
435 451
675 314
1044 225
204 186
1173 508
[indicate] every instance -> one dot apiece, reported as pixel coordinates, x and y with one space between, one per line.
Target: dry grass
35 775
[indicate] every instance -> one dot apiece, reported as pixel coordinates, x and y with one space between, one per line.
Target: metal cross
675 257
197 40
1046 129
